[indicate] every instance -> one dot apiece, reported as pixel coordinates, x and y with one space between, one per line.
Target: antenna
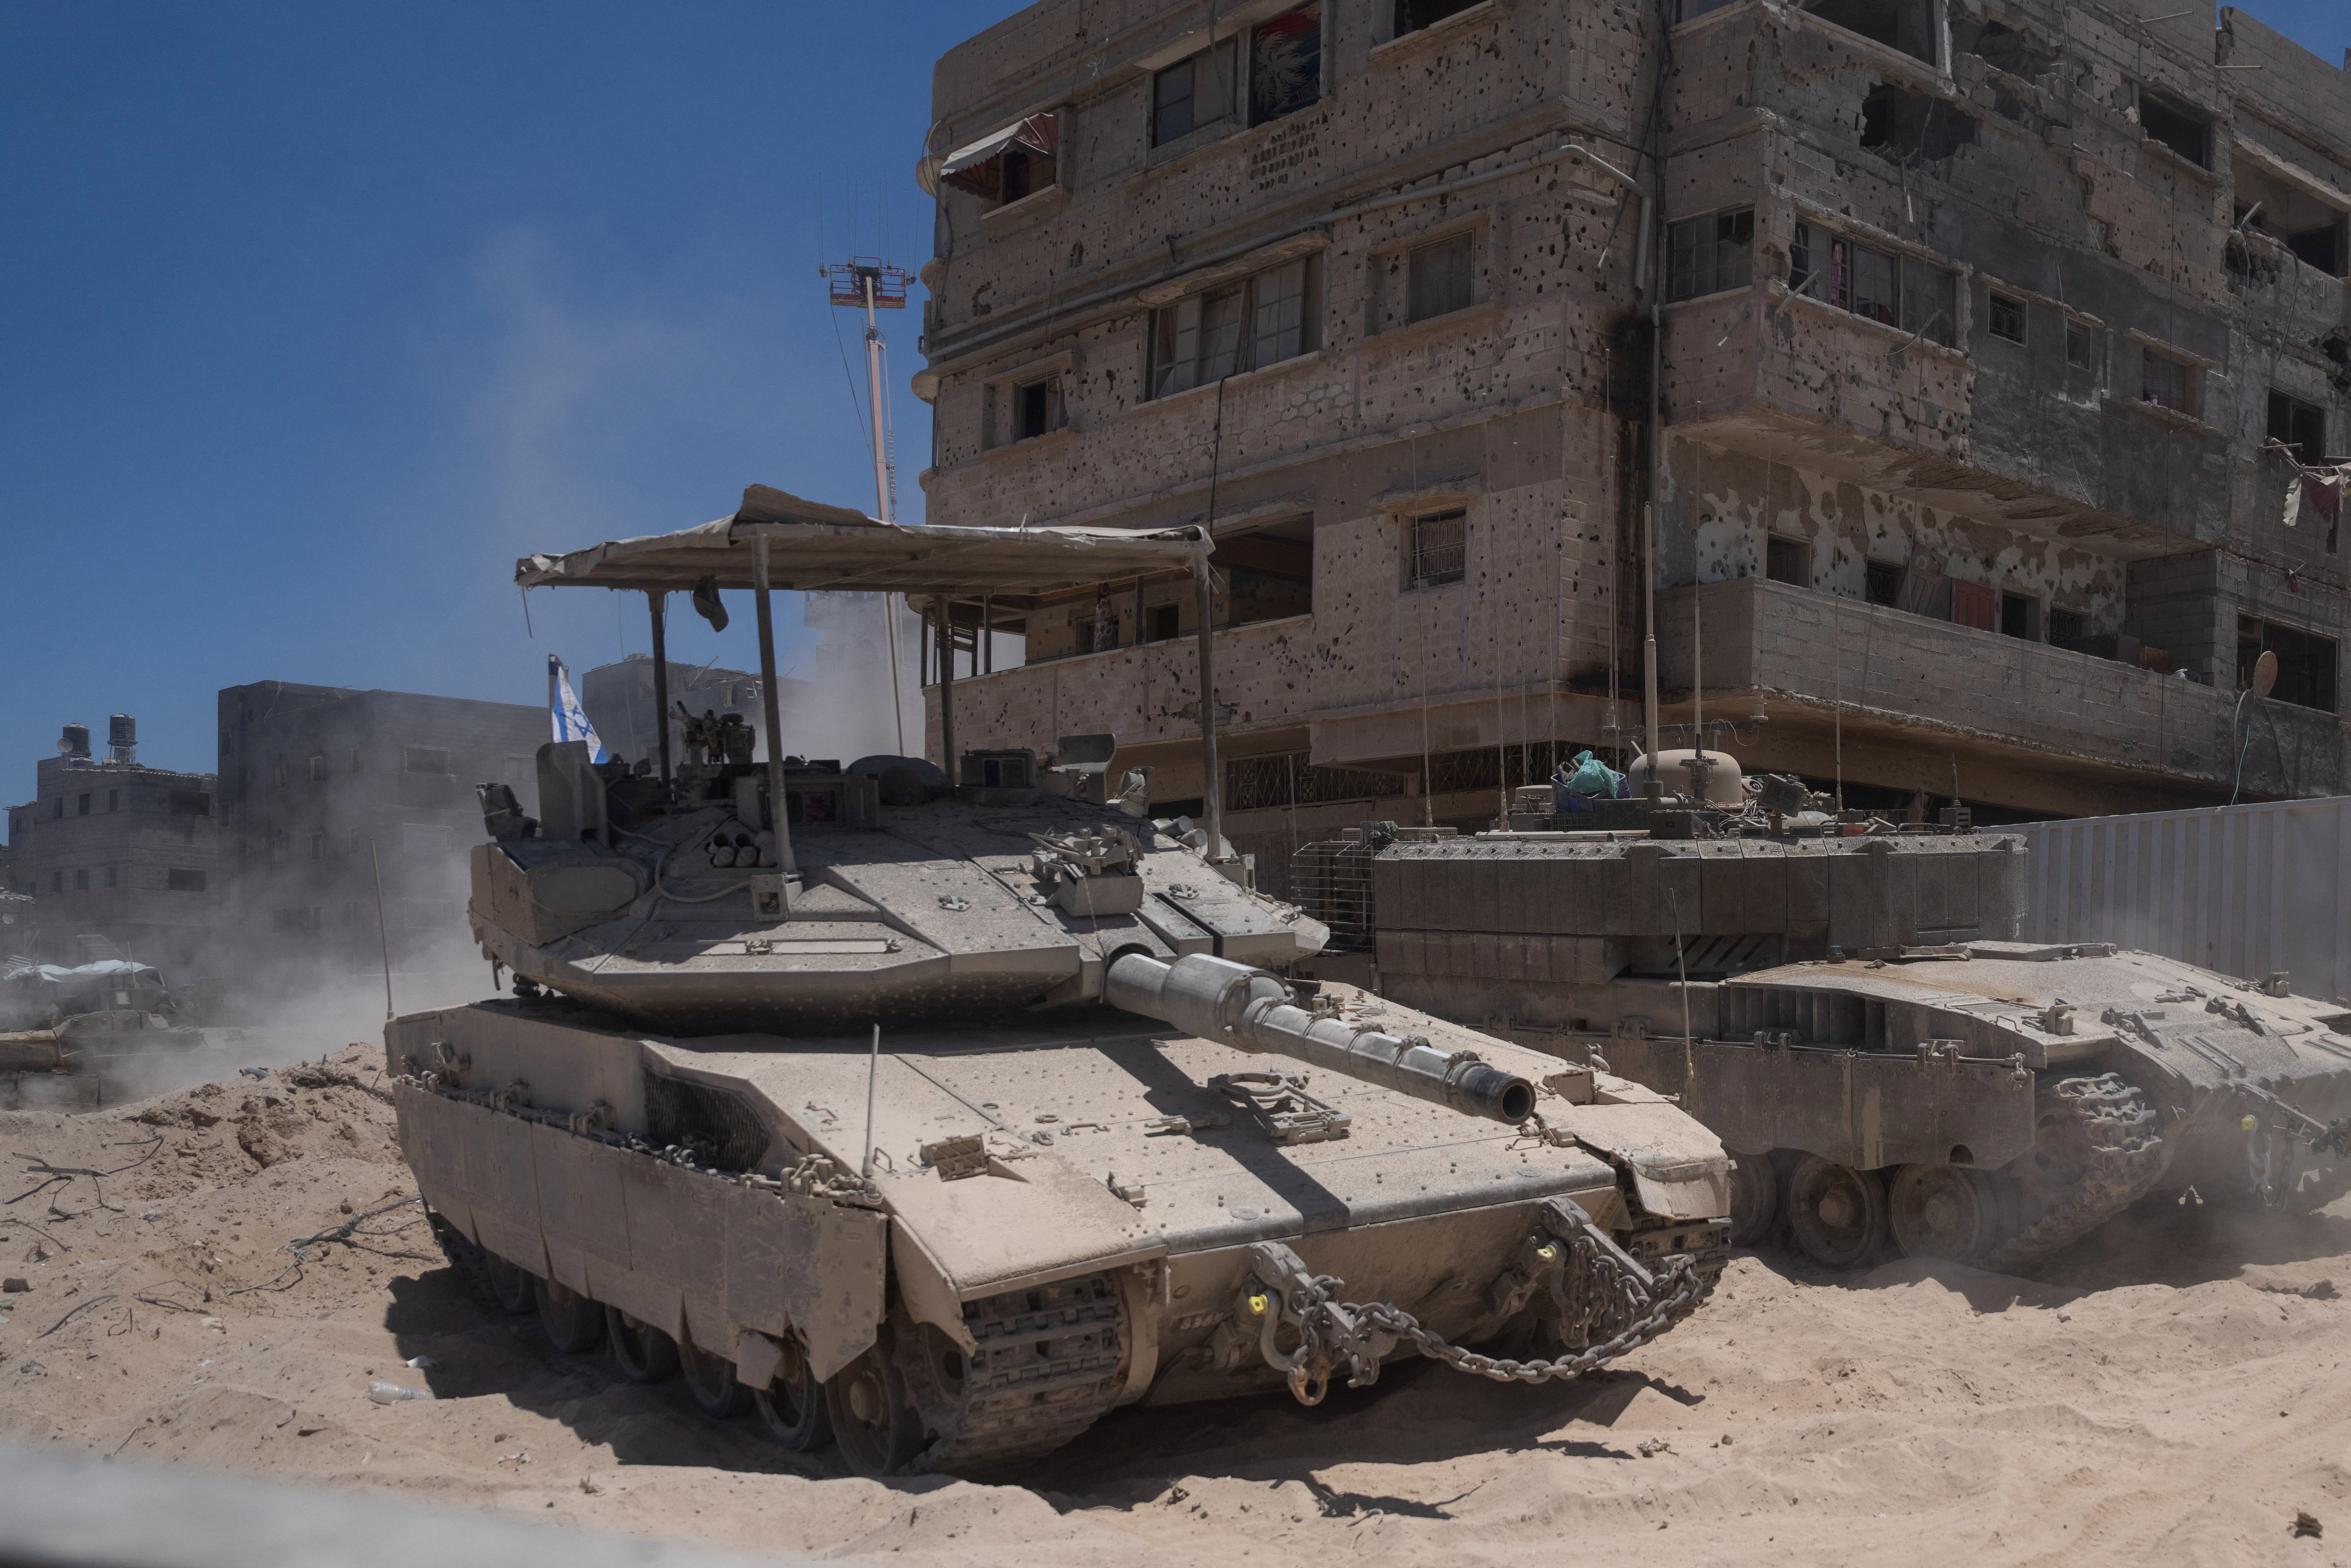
875 285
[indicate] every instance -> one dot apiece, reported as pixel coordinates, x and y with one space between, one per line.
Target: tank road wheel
1942 1211
513 1286
791 1407
641 1352
574 1324
872 1419
1754 1200
1838 1214
711 1380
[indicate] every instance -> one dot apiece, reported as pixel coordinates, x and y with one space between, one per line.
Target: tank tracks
2126 1160
1045 1367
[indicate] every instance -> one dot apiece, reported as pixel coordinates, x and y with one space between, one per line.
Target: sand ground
2175 1391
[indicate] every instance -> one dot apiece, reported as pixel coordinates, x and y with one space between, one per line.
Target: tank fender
1689 1189
808 1265
922 1285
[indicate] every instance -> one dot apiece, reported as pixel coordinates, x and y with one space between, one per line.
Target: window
81 805
318 768
318 846
2168 383
1437 548
1437 278
82 882
1171 101
1412 16
278 843
355 761
1259 321
427 759
57 882
191 803
2078 346
1881 582
1904 24
181 881
2006 318
2185 131
2305 663
114 799
1909 128
1285 65
1788 562
2020 616
1914 295
1036 408
1007 164
2299 427
57 806
1167 621
277 772
113 876
1708 255
2067 628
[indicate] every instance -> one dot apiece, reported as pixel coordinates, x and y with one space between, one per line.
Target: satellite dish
2264 673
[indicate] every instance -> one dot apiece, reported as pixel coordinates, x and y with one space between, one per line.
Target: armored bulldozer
1843 1001
937 1116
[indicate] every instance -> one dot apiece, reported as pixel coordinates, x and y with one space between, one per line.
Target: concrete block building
1964 352
120 859
319 785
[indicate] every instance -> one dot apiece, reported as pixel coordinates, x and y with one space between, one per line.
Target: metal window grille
1440 548
1332 881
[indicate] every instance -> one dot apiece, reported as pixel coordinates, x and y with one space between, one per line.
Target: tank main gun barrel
1249 1010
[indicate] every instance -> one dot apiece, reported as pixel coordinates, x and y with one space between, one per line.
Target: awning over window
814 547
974 168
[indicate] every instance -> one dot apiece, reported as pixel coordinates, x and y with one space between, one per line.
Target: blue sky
313 318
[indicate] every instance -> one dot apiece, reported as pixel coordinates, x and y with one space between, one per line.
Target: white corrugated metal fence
2245 890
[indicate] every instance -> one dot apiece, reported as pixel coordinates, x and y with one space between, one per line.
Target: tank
1843 1001
937 1117
72 1038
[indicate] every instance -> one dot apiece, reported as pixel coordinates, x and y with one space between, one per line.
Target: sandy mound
2174 1392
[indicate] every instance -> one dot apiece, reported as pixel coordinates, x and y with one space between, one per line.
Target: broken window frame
2019 615
2067 628
2176 123
1436 548
1029 141
2079 334
2174 379
1713 253
1277 87
1893 288
1265 319
2005 309
1035 408
1782 553
2300 426
2306 661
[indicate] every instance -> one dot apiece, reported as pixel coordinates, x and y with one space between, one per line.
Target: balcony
2067 732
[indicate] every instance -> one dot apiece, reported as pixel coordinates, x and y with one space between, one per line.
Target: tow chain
1593 1285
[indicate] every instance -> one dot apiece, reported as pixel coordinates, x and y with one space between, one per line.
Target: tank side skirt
702 1257
1862 1109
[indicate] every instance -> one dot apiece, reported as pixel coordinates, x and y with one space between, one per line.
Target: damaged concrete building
321 786
119 857
1967 350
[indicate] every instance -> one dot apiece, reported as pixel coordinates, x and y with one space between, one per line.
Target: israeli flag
570 718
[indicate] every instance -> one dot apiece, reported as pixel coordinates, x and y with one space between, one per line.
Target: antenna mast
871 283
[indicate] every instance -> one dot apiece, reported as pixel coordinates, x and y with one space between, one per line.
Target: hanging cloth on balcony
2317 492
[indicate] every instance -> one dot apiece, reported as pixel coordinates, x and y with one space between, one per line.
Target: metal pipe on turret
1249 1010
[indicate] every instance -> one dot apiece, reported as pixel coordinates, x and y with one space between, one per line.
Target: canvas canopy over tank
779 540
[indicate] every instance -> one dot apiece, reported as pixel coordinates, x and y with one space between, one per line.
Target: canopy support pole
657 603
772 702
946 640
1212 794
